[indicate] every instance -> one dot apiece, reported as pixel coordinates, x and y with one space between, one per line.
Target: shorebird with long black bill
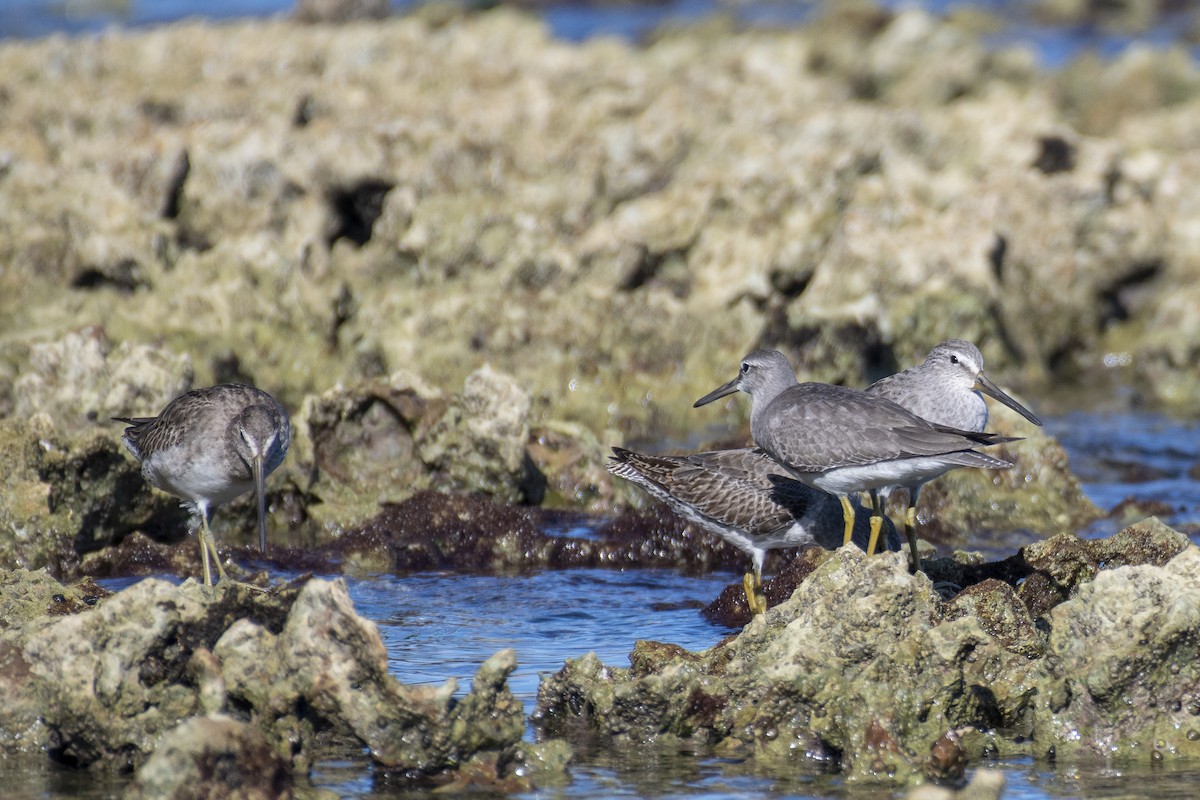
748 500
842 440
945 389
209 446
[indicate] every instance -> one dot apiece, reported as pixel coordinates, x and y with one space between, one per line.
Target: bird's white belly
204 479
899 472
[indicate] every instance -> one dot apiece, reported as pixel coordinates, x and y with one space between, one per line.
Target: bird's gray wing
815 427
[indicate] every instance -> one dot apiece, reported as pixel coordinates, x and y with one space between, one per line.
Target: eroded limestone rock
105 680
867 665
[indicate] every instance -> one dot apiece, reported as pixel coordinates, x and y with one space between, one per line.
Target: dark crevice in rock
1055 154
879 361
345 306
652 265
996 257
355 208
227 368
1116 300
306 110
124 275
174 194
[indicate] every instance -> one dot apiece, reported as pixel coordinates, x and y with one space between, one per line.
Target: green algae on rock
213 756
604 232
1123 681
867 665
100 684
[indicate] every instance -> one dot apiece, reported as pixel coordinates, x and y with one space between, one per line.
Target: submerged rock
435 530
213 756
107 679
867 665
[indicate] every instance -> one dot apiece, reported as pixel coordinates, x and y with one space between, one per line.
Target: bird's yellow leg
876 522
755 599
848 518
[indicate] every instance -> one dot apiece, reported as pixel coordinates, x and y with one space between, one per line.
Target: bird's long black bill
260 492
717 394
985 385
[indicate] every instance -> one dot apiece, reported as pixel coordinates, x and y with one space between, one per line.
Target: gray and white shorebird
748 500
945 389
843 440
209 446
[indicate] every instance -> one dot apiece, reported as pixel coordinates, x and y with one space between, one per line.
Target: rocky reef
1070 651
469 258
161 679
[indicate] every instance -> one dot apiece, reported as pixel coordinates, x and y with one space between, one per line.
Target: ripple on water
440 625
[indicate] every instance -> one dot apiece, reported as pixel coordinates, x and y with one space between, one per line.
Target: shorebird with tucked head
842 440
209 446
748 500
946 390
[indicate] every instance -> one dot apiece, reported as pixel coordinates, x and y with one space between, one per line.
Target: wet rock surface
213 756
869 666
178 680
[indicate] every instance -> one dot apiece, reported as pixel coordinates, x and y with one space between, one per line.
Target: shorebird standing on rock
209 446
747 499
842 440
945 390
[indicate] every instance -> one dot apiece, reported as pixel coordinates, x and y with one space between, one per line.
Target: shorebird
209 446
842 440
747 499
945 389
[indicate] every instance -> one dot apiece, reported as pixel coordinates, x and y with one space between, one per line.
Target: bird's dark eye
953 359
745 367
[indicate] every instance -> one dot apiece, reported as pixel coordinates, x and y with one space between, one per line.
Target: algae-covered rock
84 379
480 443
384 440
213 756
866 664
1122 669
66 495
470 532
105 681
327 660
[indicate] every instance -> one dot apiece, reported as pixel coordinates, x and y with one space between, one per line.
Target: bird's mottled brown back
187 415
742 488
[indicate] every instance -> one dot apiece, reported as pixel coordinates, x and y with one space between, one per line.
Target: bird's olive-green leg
910 529
208 548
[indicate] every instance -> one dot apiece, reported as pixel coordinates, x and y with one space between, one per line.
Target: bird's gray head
763 375
261 435
960 364
957 361
260 432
